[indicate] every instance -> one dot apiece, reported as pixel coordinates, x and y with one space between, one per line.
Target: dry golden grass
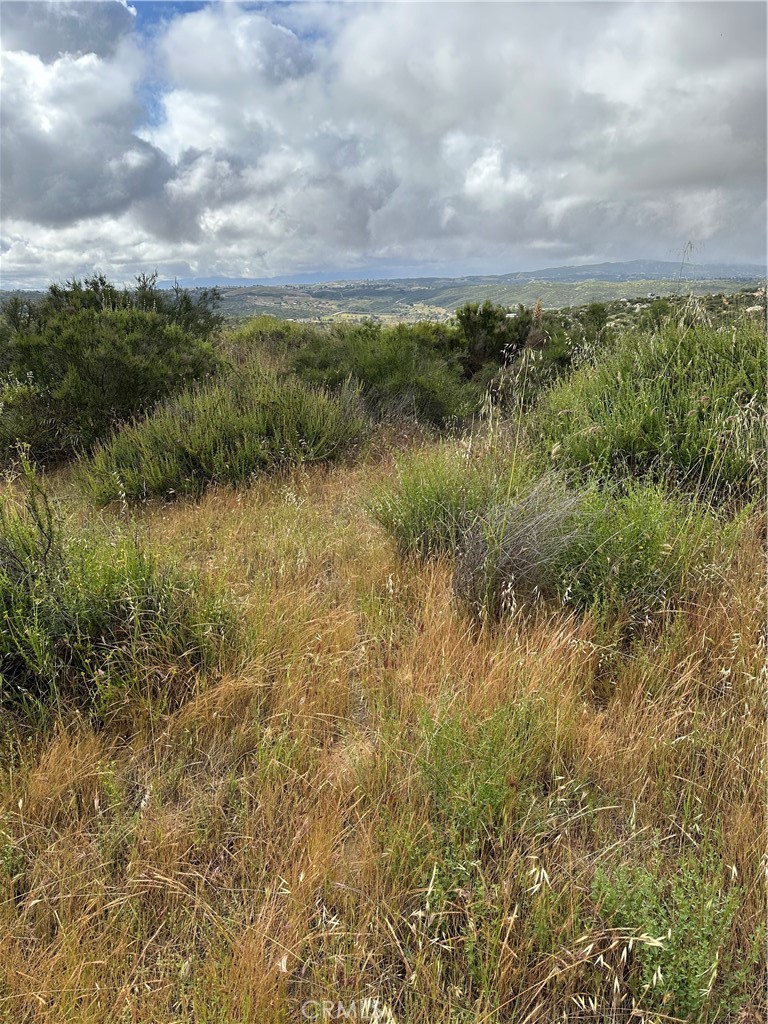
277 838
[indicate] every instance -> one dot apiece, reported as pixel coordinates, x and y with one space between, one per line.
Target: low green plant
690 909
471 772
223 433
626 552
627 549
633 550
84 617
441 492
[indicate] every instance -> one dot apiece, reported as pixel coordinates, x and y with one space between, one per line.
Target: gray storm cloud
451 138
50 29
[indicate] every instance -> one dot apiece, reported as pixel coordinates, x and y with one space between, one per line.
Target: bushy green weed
685 405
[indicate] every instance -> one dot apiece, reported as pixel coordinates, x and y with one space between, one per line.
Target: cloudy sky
376 140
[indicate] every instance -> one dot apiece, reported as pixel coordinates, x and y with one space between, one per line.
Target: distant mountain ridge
644 270
629 270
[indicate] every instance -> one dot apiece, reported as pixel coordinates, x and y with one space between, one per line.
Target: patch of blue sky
310 26
151 15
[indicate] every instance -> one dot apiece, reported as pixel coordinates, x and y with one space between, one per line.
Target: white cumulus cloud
246 140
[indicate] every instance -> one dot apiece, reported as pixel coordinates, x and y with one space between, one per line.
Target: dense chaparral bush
399 375
87 356
225 432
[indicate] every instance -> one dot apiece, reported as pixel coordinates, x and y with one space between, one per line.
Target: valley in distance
408 300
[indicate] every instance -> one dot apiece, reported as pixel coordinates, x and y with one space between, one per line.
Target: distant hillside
645 270
437 298
631 270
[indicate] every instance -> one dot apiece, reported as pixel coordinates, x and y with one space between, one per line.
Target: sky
275 140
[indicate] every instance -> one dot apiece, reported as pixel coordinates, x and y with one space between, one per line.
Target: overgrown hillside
415 670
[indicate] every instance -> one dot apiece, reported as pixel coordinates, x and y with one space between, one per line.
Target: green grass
624 550
88 618
332 784
635 549
682 404
223 433
441 491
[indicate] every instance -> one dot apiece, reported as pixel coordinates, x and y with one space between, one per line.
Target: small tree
491 334
88 355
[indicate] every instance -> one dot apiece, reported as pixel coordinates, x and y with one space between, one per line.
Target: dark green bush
400 374
225 432
516 356
194 312
84 618
85 358
490 333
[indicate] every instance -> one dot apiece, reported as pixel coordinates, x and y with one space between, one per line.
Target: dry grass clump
511 550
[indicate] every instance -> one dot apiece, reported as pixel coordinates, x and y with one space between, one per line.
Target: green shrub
690 973
634 550
466 769
194 312
626 549
490 333
621 553
399 375
85 618
266 337
441 492
26 418
685 405
222 433
86 358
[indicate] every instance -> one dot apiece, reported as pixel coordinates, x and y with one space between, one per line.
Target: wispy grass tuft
441 491
510 551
